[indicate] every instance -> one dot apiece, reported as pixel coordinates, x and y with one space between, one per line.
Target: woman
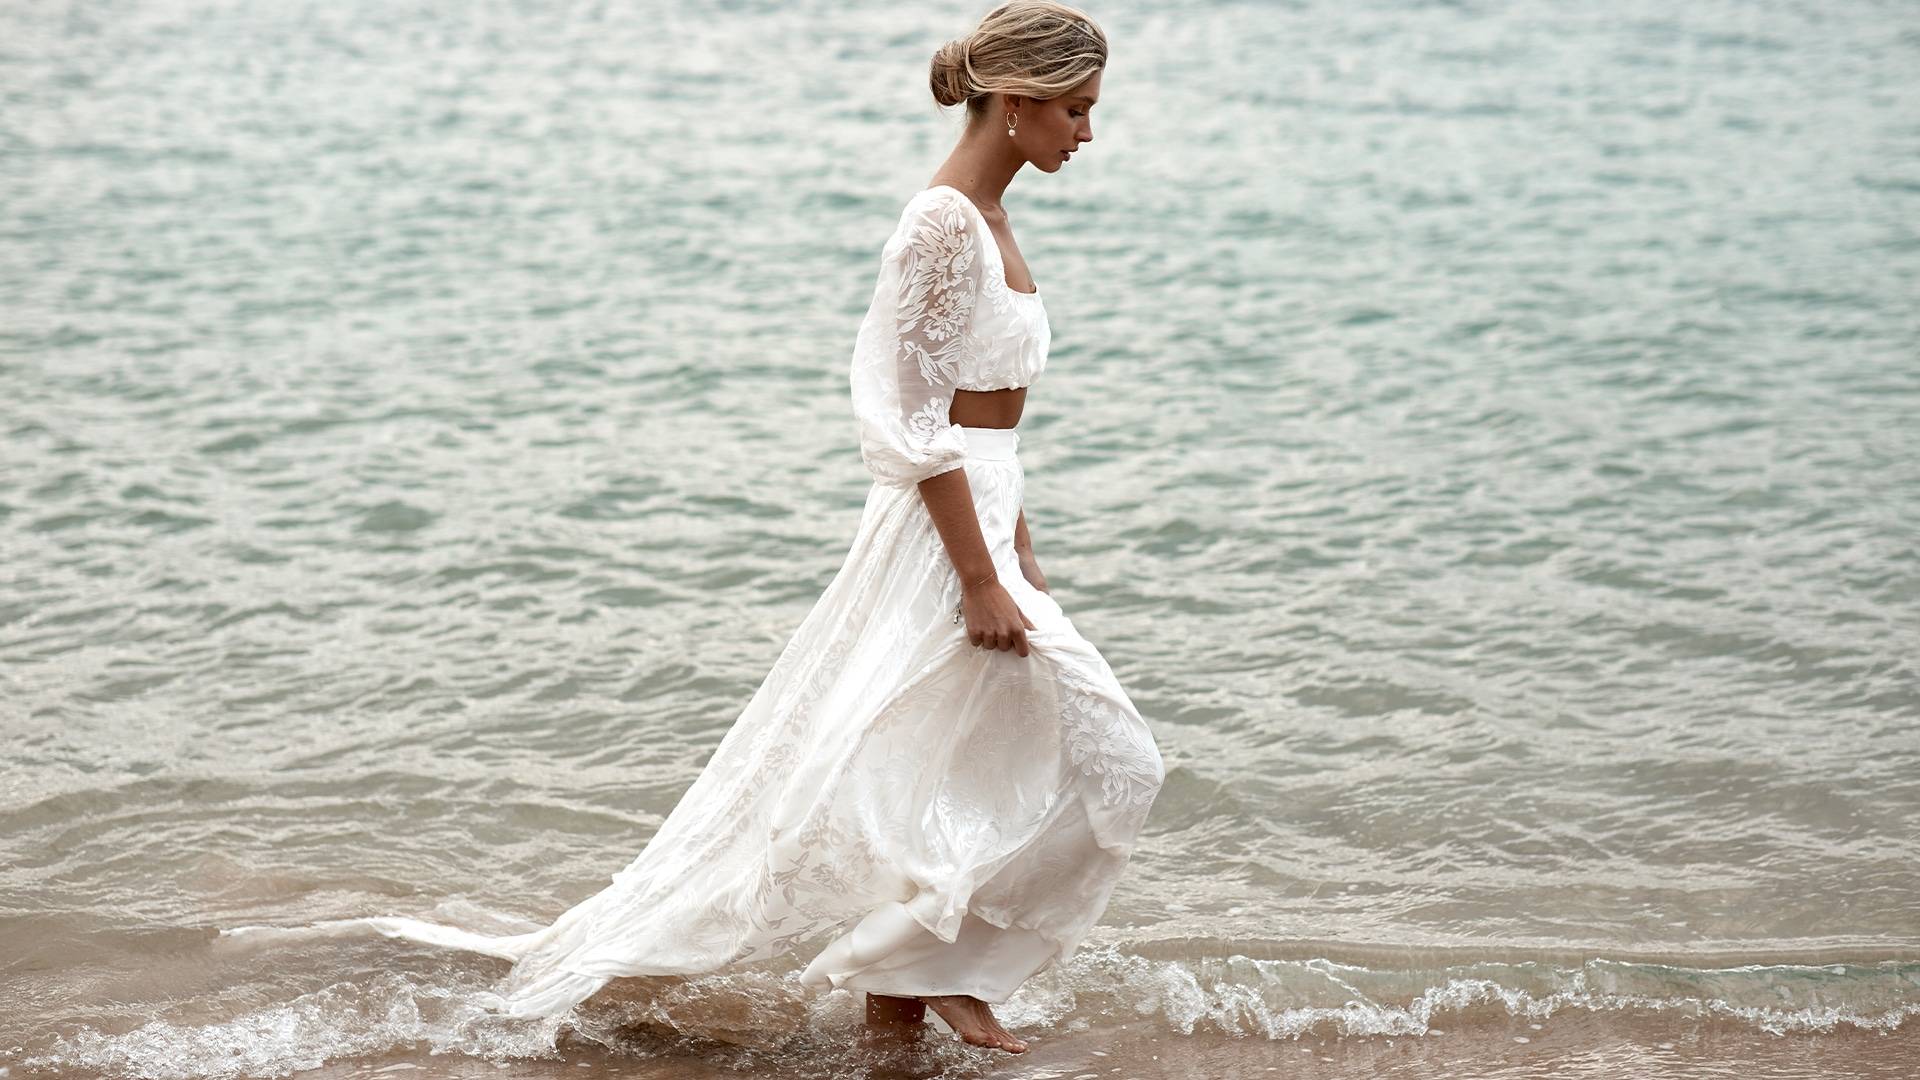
954 802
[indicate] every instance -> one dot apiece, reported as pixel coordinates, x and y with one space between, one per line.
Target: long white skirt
955 818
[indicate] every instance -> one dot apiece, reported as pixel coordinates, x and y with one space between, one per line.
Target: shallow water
1481 440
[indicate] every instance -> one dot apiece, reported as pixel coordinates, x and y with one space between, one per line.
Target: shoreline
1591 1044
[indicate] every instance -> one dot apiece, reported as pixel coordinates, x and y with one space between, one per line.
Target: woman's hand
1031 570
994 621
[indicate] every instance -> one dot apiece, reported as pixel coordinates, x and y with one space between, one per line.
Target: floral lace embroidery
939 298
1014 333
928 420
1105 741
942 319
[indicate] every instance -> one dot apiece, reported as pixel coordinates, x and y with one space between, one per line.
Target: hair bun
948 77
1036 49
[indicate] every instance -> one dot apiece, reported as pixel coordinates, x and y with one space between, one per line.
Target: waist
991 443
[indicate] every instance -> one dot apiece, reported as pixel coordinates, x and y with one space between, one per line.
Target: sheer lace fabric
942 319
917 815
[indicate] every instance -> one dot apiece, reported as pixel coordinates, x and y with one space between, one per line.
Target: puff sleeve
914 344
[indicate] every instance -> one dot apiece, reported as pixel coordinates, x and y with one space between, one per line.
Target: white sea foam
345 1020
1101 987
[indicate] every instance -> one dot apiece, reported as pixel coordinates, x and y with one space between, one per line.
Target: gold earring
1011 121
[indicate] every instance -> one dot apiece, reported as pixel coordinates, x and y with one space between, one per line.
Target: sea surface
1483 438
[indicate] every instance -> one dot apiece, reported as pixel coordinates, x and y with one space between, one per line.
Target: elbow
903 473
899 458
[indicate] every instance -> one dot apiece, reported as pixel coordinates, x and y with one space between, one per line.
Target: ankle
886 1009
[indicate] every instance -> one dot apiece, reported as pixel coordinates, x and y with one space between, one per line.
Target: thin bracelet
961 606
984 580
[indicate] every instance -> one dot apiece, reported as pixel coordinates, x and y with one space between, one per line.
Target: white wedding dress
949 819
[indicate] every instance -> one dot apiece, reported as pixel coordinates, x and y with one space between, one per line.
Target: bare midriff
987 408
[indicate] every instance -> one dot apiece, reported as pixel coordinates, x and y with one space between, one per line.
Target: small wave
1288 999
1103 986
346 1020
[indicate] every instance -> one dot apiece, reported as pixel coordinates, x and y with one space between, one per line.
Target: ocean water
1481 437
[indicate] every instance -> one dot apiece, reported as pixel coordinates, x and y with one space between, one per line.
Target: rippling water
1482 439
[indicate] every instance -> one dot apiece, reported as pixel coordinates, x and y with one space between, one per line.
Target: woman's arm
907 363
949 501
994 621
1023 546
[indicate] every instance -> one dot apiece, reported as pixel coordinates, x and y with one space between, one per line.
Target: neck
982 165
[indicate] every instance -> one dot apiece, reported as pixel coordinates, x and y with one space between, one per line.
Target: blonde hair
1035 48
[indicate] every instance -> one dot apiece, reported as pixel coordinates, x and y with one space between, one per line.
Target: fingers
992 639
1014 638
1001 634
1004 638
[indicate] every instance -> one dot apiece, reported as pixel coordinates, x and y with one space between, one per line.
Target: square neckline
1035 294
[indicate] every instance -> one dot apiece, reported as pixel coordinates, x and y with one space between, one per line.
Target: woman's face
1050 129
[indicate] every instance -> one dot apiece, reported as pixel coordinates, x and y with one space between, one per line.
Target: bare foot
973 1021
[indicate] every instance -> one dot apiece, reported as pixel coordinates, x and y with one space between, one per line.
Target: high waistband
991 443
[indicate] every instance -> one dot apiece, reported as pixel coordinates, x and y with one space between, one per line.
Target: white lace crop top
943 318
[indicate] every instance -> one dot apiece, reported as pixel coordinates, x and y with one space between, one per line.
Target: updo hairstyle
1034 48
